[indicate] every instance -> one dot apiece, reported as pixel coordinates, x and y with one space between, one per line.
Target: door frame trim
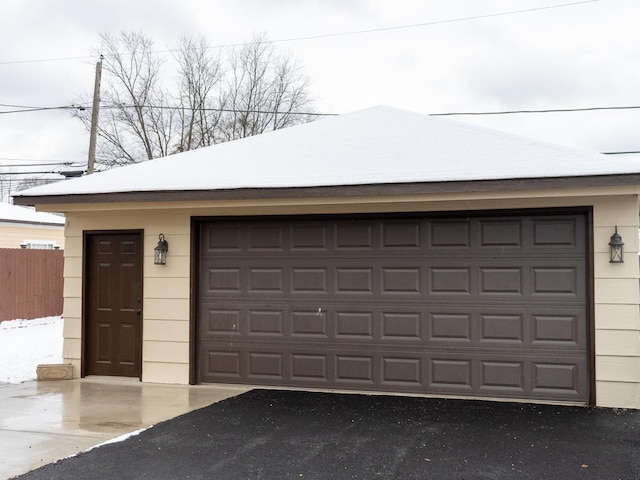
85 291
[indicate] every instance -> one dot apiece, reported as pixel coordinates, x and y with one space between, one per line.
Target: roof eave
336 191
30 223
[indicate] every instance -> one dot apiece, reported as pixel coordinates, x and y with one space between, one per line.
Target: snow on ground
25 344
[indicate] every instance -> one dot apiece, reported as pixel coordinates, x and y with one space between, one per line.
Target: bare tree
200 76
215 100
265 91
10 184
7 187
129 129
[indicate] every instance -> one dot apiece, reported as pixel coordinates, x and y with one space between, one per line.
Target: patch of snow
119 439
25 344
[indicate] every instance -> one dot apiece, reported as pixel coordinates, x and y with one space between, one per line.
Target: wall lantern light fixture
160 257
615 248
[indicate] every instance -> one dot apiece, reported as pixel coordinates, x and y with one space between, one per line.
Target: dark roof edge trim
386 189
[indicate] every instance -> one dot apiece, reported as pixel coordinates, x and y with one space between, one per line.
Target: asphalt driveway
277 434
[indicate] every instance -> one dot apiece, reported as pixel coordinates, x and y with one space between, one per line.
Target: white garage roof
16 214
379 145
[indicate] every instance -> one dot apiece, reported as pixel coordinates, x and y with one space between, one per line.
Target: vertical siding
31 283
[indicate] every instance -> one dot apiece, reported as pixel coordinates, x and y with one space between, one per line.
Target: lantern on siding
160 257
615 248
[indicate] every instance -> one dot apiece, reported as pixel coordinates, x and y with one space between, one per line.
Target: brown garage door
489 306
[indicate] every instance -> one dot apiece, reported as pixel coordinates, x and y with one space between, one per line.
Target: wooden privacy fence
30 283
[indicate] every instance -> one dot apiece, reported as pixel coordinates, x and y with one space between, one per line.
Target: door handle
138 311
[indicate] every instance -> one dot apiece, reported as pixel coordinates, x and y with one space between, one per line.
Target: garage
376 251
483 304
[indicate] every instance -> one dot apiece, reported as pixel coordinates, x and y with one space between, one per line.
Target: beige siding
167 289
616 316
12 235
616 304
158 372
618 394
618 369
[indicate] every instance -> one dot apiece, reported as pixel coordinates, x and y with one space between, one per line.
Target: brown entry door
113 303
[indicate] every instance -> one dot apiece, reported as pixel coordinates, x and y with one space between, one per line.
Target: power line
29 173
58 59
549 110
338 34
216 109
621 153
272 112
47 164
414 25
48 161
26 109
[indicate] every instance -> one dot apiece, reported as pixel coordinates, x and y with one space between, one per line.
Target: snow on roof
14 213
373 146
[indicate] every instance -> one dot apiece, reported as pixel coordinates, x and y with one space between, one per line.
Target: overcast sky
582 55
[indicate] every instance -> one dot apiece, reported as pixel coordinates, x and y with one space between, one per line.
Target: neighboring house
22 227
381 251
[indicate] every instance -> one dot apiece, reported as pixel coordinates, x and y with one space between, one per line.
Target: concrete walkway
41 422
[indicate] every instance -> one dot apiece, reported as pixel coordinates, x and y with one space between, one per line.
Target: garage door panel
460 326
225 238
503 234
450 280
266 280
263 238
559 379
265 366
559 280
220 280
309 280
558 233
402 326
309 323
559 328
354 280
409 278
352 325
450 374
309 237
399 236
479 305
502 329
354 369
221 364
506 281
503 376
438 372
443 234
401 372
218 320
353 237
309 367
451 328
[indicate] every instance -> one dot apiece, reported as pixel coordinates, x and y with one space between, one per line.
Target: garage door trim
197 223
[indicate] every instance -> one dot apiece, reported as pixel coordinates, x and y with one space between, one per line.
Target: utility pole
94 118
